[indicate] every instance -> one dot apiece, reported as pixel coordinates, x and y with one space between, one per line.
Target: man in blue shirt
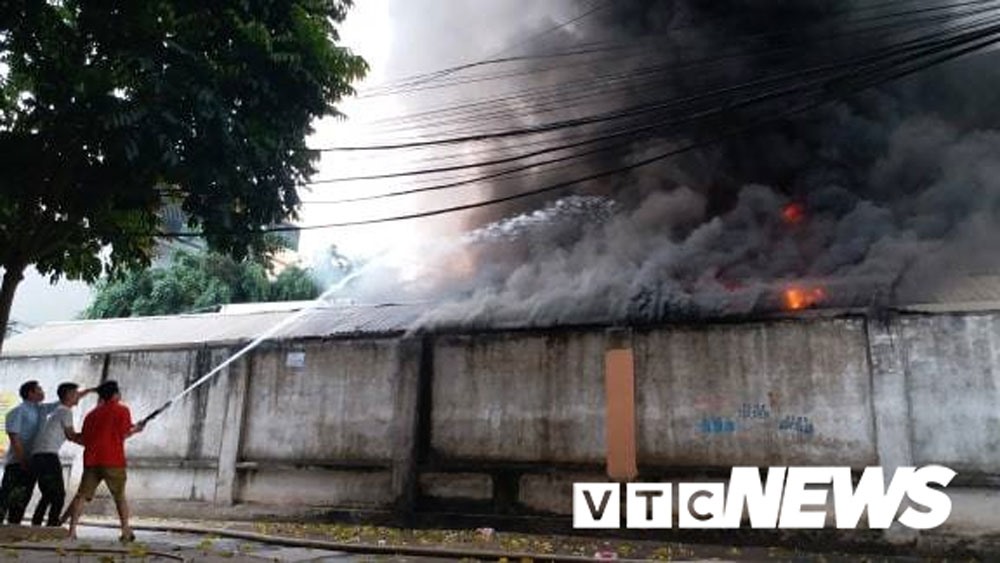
22 424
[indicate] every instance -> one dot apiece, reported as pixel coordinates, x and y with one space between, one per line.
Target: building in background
175 221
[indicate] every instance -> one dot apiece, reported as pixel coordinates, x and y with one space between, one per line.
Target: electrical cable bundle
541 119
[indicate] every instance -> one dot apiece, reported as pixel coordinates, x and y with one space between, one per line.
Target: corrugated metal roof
150 333
978 288
269 307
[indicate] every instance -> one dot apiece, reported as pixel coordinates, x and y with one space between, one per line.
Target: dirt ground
99 543
485 539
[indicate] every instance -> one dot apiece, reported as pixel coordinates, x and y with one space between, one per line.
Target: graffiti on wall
755 411
749 415
717 425
797 424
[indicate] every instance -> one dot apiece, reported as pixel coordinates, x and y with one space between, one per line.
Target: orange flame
793 213
798 298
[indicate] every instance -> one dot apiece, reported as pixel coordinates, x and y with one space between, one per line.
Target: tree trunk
11 277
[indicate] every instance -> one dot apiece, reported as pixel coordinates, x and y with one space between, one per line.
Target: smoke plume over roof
809 147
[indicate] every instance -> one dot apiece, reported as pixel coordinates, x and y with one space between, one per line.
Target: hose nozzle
155 413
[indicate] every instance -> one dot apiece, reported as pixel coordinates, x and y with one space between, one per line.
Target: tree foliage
294 284
194 283
108 108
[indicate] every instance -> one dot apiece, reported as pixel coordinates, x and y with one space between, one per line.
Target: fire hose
358 548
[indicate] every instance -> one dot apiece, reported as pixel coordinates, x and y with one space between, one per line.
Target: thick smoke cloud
888 196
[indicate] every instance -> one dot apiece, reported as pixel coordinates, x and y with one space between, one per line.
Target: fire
793 213
798 298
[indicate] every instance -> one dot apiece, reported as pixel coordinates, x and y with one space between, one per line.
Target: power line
934 54
404 86
595 7
879 66
630 135
590 119
551 98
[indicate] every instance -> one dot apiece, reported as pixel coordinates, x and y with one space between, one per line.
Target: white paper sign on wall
295 360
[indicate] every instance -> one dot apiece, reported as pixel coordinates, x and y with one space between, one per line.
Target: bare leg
122 506
74 511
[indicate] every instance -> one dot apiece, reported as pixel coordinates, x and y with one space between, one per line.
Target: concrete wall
317 425
780 393
519 397
953 371
505 422
340 399
176 457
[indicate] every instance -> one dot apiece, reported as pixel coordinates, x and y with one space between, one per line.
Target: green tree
196 283
108 108
293 284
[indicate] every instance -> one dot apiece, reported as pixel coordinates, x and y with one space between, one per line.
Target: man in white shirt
45 464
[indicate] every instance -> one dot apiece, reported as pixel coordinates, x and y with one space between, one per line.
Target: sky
368 32
401 38
38 301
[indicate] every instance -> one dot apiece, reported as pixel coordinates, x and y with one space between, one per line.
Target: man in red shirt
104 432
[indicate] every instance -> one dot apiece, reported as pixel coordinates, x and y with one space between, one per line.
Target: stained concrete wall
792 392
50 371
176 457
953 387
339 397
189 430
507 421
519 397
318 424
779 393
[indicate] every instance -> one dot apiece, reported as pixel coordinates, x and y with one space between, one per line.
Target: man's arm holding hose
155 413
135 429
130 428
